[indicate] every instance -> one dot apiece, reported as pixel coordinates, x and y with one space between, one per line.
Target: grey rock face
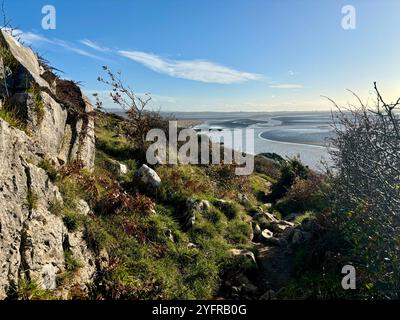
33 239
27 58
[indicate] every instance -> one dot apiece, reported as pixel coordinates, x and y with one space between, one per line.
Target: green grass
110 138
214 216
96 235
313 285
71 192
51 171
30 290
10 116
183 181
72 265
72 220
306 216
238 232
229 208
35 91
8 59
144 262
32 200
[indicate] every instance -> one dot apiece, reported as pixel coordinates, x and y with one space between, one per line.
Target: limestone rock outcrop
55 112
56 124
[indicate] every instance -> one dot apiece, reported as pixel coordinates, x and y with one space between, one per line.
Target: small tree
140 118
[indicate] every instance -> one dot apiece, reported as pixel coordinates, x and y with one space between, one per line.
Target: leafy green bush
290 170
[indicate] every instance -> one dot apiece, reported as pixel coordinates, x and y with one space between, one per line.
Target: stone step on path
275 266
275 259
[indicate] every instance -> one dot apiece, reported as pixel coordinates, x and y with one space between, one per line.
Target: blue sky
225 55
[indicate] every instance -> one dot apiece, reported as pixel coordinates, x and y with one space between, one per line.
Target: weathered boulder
189 216
287 234
240 286
26 57
123 169
191 245
246 286
169 235
149 177
244 199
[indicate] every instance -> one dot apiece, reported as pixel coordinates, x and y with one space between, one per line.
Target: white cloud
286 86
30 38
66 45
198 70
94 45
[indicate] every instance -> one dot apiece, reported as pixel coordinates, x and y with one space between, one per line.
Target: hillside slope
86 218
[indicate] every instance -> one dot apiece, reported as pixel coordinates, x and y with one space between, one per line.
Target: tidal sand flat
288 134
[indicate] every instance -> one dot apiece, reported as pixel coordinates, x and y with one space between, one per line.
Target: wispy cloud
30 38
286 86
68 46
198 70
93 45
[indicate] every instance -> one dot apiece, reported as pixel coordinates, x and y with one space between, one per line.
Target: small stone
149 177
243 253
123 168
266 234
49 277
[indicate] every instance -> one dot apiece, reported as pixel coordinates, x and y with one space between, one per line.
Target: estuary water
289 134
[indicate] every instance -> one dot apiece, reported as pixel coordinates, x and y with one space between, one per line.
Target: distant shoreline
290 142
